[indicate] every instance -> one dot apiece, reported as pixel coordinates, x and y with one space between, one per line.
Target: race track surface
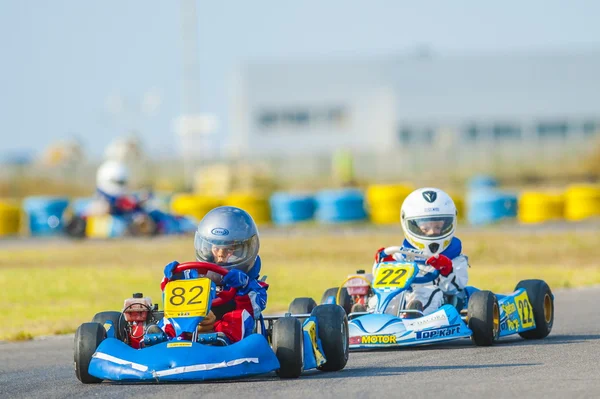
564 365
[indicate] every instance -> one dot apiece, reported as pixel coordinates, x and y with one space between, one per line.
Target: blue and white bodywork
384 326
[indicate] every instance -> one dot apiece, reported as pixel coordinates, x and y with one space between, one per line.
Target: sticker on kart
393 276
187 298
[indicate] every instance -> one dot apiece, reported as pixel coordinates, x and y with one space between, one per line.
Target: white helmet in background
428 217
112 178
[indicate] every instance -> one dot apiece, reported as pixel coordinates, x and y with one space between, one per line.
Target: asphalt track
564 365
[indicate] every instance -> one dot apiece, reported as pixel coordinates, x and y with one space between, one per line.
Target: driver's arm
252 298
457 280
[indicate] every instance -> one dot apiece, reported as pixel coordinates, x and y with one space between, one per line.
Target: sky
94 71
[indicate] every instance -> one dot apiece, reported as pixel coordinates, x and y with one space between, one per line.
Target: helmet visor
228 254
431 227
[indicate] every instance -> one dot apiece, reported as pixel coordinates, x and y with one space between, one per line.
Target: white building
504 112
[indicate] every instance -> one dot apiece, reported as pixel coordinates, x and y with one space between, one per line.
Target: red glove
441 263
126 203
380 256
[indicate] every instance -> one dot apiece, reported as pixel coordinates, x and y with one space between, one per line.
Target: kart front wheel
484 318
542 301
332 327
87 338
117 320
302 306
345 298
288 345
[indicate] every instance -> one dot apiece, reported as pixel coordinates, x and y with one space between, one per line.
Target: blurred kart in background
480 315
143 219
122 346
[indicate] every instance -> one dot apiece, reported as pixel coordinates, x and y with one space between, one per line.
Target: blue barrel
287 208
337 206
490 206
479 182
45 214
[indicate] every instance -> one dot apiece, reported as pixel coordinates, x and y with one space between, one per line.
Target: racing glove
126 204
168 274
381 256
441 263
236 279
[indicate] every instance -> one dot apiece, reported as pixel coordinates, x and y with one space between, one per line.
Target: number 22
388 273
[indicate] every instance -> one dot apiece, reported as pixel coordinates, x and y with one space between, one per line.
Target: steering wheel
203 268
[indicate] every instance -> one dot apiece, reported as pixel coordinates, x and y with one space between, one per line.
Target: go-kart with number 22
480 315
118 346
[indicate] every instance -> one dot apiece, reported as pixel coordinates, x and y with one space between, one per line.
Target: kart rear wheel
302 306
288 345
542 302
484 318
76 227
87 338
345 298
332 327
118 322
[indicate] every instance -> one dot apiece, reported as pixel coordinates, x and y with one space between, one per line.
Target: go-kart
120 346
480 315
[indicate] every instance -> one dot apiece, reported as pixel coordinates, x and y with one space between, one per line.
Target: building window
472 132
552 129
267 119
590 128
506 131
405 135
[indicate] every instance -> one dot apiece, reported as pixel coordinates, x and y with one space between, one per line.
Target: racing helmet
228 237
428 217
112 178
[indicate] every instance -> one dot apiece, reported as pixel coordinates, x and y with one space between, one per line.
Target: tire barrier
384 202
44 215
80 205
490 206
289 208
540 207
257 205
191 205
10 218
479 182
338 206
582 201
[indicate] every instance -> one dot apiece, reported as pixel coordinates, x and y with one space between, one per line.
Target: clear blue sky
62 60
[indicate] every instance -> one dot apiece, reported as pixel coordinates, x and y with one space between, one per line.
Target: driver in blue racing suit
228 237
428 218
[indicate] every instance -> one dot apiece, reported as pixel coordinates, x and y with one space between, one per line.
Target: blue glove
236 279
169 269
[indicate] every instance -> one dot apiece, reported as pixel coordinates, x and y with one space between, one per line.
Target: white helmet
112 178
428 217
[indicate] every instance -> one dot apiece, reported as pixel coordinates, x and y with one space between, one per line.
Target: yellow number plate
393 276
525 310
187 298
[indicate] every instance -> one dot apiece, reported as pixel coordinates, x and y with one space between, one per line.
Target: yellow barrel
192 205
10 218
385 200
459 202
256 204
582 201
539 207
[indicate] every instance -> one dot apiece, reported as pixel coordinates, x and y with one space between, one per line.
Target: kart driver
112 188
428 218
227 236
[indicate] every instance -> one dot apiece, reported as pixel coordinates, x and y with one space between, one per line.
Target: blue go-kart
104 348
480 315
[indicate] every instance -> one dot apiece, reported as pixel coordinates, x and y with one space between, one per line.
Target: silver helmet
228 237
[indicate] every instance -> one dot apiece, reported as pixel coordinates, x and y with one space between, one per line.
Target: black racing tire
119 323
288 345
75 227
345 298
542 302
87 339
332 326
484 318
302 305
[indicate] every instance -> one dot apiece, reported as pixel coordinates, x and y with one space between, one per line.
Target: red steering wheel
204 268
